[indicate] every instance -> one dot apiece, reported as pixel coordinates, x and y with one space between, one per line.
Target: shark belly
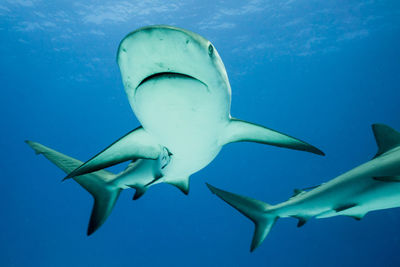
324 201
380 195
178 88
185 163
139 175
354 193
185 116
372 193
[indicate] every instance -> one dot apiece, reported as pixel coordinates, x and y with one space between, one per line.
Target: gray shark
103 185
374 185
179 90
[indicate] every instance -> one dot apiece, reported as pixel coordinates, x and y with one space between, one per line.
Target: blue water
322 71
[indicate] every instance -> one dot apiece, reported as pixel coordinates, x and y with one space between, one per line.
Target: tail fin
96 183
255 210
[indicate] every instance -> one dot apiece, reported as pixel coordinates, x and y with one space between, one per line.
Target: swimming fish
103 185
374 185
179 90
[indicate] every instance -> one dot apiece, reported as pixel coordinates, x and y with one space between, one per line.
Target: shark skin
374 185
105 186
179 90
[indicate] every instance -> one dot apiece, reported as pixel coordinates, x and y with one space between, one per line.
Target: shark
178 88
104 186
374 185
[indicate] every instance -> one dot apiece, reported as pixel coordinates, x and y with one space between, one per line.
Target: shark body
103 185
179 90
374 185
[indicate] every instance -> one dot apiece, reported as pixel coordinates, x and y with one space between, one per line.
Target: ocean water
322 71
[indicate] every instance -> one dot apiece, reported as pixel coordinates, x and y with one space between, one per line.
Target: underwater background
322 71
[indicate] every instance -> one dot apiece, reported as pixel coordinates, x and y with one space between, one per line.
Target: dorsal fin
386 138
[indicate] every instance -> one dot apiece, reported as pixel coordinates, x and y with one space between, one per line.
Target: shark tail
105 197
257 211
96 183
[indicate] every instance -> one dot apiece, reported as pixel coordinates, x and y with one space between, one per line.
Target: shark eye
210 50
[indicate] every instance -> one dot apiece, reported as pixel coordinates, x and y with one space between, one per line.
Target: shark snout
156 51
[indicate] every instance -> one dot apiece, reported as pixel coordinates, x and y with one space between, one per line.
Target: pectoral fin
136 144
241 131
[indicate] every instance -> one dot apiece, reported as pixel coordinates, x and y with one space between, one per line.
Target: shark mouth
169 75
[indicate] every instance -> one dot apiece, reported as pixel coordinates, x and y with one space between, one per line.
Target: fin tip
66 178
301 223
317 151
33 145
136 196
90 231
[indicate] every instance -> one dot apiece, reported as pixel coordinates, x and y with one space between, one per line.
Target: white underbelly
185 164
182 114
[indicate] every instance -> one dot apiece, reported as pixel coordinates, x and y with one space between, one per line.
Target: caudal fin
96 183
255 210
